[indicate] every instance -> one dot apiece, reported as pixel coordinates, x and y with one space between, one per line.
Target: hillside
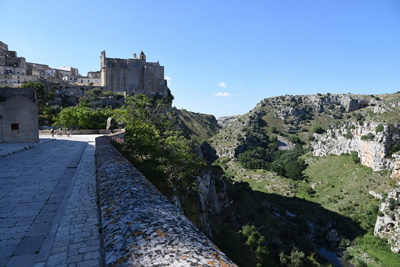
200 126
333 208
297 181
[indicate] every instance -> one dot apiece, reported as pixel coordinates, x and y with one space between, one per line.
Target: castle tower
103 68
142 56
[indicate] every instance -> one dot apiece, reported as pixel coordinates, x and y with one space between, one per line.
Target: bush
274 129
361 263
347 256
354 157
392 203
348 135
379 128
369 136
318 129
395 148
358 117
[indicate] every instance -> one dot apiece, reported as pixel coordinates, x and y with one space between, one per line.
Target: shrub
347 256
379 128
318 129
274 129
348 135
392 203
354 157
358 117
395 148
369 136
361 263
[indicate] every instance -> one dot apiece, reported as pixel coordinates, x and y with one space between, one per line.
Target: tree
295 259
82 117
41 95
255 240
153 141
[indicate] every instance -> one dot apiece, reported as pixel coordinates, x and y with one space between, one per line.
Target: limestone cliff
388 223
372 146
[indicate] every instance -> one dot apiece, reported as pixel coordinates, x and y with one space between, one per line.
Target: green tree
83 118
255 240
154 142
41 95
295 259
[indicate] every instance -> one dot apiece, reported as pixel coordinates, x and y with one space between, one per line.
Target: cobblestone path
48 211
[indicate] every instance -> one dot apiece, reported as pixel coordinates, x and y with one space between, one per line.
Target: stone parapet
140 226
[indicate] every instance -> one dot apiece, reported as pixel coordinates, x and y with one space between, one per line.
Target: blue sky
221 57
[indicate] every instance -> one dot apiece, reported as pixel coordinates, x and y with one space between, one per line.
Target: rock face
396 169
213 198
227 120
351 137
388 225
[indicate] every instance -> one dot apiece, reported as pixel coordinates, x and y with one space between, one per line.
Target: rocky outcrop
396 168
388 224
372 146
213 198
140 226
227 120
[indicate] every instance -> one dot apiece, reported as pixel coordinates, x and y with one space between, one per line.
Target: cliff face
388 224
371 146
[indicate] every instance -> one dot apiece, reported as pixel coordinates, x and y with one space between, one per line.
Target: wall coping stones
140 226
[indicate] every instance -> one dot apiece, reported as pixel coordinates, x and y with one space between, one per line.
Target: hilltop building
132 75
13 69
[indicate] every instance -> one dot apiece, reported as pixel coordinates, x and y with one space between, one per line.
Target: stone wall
140 226
18 115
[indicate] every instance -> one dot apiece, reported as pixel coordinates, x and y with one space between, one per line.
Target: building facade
133 75
18 115
13 68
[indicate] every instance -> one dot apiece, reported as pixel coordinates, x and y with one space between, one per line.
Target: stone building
67 73
40 70
13 68
133 75
18 115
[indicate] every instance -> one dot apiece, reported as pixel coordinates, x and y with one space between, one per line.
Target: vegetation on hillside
284 204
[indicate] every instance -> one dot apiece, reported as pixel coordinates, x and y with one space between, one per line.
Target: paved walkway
48 210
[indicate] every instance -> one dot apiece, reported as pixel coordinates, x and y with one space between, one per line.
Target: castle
133 75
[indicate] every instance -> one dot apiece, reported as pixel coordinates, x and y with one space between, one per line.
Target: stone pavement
48 210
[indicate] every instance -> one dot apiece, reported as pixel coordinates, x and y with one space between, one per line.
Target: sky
220 57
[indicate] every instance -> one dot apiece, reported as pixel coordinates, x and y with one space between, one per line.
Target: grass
342 188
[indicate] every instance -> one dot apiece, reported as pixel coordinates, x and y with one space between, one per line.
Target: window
14 126
123 65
